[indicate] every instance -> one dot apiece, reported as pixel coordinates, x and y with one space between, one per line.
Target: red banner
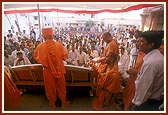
135 7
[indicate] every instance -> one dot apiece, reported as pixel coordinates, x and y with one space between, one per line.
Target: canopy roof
75 7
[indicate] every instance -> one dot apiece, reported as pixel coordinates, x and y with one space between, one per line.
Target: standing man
111 46
51 55
129 89
150 81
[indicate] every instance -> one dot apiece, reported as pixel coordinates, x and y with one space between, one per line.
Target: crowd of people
81 45
122 61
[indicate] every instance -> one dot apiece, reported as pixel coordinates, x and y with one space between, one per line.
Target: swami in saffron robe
51 55
112 47
12 95
108 83
129 90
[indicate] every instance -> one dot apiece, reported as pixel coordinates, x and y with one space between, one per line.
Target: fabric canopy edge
134 7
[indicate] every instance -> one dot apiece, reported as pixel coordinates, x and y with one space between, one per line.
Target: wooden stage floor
35 100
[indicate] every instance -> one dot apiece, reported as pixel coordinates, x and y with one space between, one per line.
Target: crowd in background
82 45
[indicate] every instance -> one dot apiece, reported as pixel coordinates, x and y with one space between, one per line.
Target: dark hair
154 36
18 53
137 33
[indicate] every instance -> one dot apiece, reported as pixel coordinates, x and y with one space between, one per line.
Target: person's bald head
107 37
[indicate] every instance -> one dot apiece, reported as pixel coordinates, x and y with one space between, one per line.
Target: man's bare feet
52 105
65 105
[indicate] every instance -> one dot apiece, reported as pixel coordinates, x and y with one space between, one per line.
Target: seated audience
123 64
17 49
8 59
81 57
73 56
21 60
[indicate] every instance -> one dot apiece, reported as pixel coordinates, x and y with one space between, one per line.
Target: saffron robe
108 83
112 47
51 55
129 90
12 95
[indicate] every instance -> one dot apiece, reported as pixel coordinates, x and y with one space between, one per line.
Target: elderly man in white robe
73 57
123 64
